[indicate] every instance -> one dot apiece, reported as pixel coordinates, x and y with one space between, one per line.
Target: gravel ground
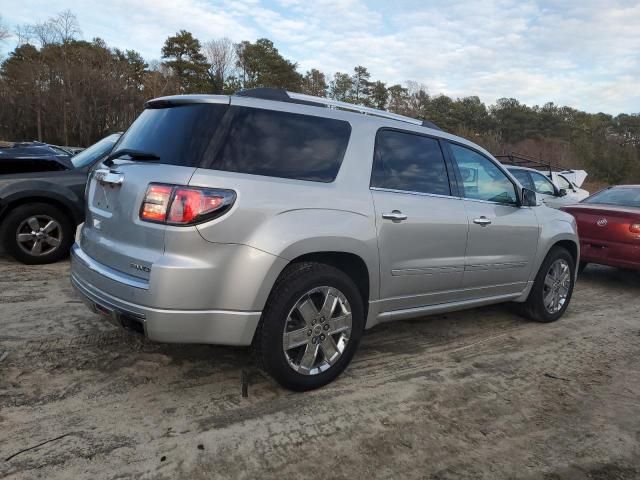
476 394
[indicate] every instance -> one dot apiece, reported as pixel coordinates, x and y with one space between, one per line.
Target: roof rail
293 97
522 160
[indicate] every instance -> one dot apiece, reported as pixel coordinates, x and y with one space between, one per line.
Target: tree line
58 88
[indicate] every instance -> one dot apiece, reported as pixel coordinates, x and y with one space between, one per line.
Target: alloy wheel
317 330
556 286
39 235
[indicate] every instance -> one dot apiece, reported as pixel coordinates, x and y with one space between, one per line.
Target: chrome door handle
482 221
395 215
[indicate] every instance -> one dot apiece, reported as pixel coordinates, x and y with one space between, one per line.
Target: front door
503 237
422 228
547 191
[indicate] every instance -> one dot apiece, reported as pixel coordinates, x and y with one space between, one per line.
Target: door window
523 177
564 183
409 162
482 179
542 184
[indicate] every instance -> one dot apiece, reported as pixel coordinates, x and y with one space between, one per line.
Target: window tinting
482 179
403 161
280 144
542 184
179 135
523 177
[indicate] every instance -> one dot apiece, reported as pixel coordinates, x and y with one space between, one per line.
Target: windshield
623 196
95 151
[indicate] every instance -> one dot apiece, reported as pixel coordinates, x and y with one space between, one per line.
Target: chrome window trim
477 200
411 192
436 195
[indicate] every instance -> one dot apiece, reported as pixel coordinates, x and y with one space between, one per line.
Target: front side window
482 179
409 162
542 184
523 177
564 183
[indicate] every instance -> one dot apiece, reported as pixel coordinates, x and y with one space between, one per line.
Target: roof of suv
279 95
385 118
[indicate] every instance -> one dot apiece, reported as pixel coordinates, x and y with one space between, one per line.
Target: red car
609 227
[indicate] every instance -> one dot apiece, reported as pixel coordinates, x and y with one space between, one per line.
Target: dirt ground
476 394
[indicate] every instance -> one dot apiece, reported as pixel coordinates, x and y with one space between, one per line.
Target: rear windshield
623 196
178 135
241 139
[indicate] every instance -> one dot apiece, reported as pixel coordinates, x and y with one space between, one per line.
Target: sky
584 54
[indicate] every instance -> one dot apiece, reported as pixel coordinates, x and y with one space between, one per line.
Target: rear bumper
223 327
619 255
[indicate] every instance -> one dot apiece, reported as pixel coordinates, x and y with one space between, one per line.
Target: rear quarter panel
289 218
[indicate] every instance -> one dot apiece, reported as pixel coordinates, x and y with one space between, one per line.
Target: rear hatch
174 134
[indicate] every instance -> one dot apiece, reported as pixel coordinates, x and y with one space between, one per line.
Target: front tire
311 326
552 288
37 233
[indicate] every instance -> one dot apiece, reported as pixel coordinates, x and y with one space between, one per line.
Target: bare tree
221 55
4 30
66 26
44 33
24 34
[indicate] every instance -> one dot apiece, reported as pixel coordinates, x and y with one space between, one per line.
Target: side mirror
529 198
562 193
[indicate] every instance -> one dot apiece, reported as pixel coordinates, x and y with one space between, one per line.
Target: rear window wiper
134 154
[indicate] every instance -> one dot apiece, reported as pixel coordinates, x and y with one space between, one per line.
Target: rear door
503 237
179 135
422 228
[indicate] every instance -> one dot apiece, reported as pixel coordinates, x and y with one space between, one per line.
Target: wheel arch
349 263
571 247
55 200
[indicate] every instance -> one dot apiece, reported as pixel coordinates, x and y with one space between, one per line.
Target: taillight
155 203
634 228
175 205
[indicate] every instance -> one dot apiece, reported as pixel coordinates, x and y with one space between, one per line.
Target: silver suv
293 223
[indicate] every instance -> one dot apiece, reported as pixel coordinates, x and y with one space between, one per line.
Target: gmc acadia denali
293 223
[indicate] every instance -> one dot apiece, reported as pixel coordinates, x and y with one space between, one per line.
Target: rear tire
51 241
302 345
552 288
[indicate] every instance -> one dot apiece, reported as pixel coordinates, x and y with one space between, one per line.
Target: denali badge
142 268
602 222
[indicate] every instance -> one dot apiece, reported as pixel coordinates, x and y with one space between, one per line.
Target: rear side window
414 163
279 144
241 139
